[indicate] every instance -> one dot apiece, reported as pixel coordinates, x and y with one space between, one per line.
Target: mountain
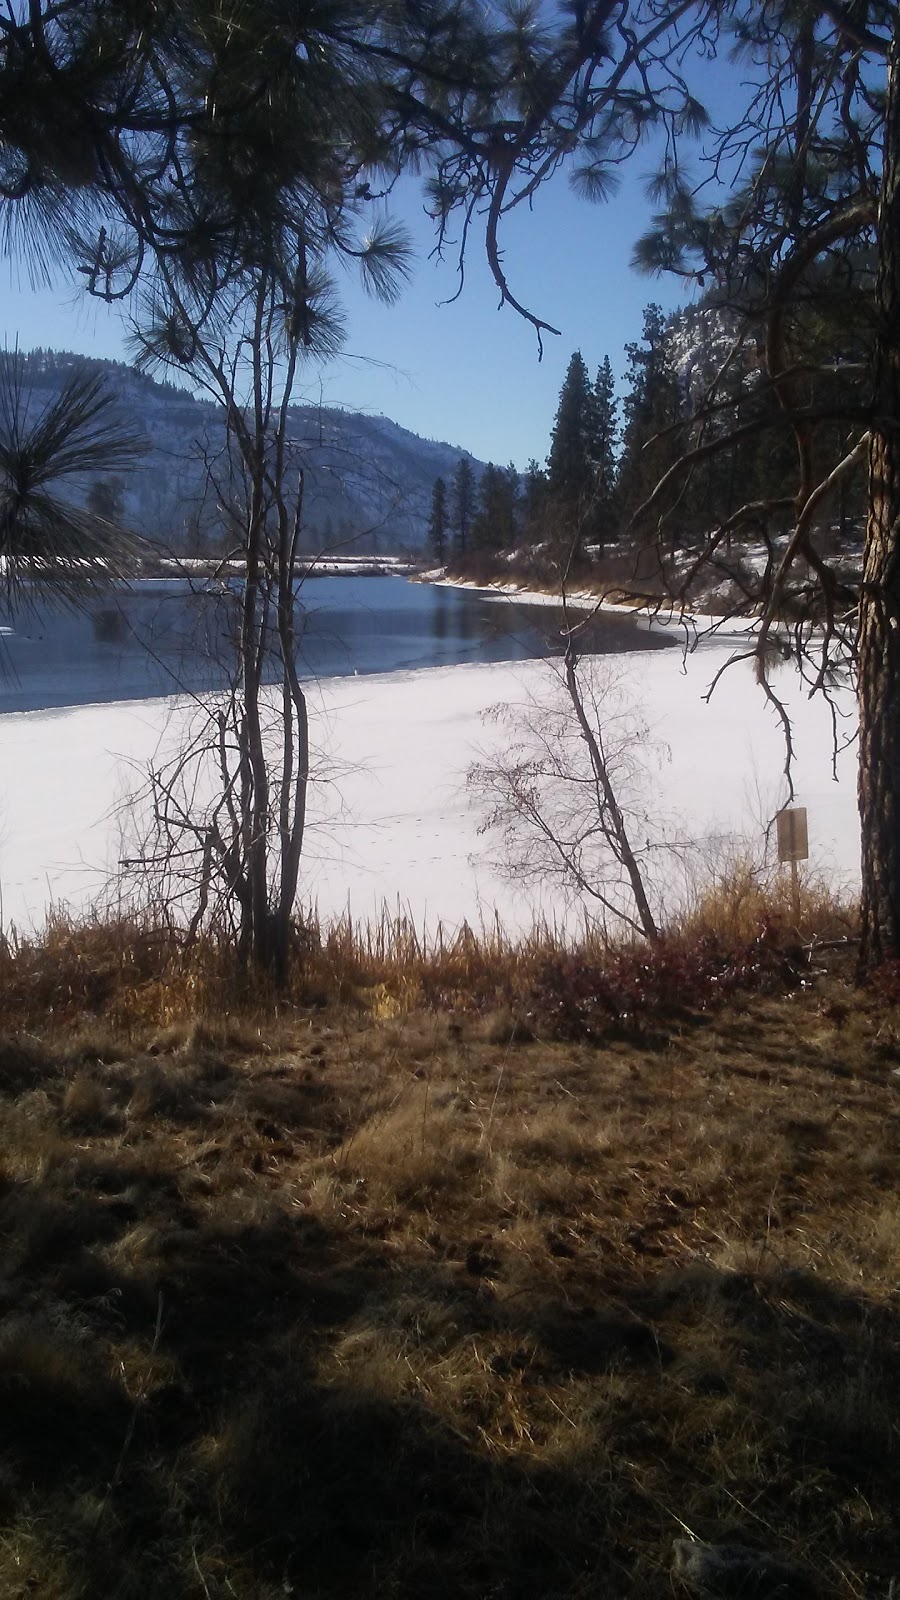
367 480
698 341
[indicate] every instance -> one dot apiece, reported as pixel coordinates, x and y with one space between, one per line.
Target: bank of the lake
665 621
394 1295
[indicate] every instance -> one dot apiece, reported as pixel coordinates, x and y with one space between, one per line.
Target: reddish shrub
578 997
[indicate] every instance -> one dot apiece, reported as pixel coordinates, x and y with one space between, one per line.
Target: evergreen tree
651 406
463 508
603 453
815 228
494 524
138 135
437 527
106 499
47 540
533 503
581 467
512 528
570 467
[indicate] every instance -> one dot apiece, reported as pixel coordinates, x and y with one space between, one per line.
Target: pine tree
48 541
513 503
651 406
533 503
463 508
603 454
106 499
815 226
570 472
494 525
437 527
581 466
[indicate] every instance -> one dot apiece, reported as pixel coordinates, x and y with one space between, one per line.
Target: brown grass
739 898
111 981
451 1305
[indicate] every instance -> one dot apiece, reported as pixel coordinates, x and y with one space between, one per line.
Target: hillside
367 479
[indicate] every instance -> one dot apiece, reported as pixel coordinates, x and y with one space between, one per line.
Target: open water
169 636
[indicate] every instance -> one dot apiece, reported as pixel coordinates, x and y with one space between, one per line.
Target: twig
199 1573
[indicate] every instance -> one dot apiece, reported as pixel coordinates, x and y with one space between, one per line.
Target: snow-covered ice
395 825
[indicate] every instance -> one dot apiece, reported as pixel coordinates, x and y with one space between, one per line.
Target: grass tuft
86 1102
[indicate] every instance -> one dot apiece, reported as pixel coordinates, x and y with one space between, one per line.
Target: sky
468 372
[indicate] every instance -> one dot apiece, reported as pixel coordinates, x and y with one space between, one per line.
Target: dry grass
740 898
451 1305
110 981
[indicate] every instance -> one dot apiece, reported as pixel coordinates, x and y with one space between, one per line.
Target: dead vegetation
374 1296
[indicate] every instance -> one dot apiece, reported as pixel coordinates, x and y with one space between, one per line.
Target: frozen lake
392 821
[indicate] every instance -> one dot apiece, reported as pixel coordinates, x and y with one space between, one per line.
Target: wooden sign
793 837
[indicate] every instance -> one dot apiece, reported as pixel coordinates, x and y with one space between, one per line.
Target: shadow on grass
243 1456
235 1456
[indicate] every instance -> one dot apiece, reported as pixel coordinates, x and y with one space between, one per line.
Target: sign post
793 846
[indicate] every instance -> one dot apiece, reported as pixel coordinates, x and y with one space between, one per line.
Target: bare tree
232 847
567 793
227 164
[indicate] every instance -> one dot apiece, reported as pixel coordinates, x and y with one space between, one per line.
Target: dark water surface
164 636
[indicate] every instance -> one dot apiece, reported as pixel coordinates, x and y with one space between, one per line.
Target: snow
394 825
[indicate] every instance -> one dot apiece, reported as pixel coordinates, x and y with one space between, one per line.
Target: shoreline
688 623
175 567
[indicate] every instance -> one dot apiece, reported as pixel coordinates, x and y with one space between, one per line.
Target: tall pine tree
651 406
570 470
463 510
438 525
494 525
581 466
603 454
533 503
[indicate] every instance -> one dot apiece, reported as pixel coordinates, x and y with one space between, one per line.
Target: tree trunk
293 779
879 616
614 826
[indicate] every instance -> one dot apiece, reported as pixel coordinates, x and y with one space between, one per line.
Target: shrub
575 996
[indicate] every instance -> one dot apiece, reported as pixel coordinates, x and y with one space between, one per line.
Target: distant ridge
368 480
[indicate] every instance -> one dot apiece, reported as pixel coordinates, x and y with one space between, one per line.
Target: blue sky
466 372
469 371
